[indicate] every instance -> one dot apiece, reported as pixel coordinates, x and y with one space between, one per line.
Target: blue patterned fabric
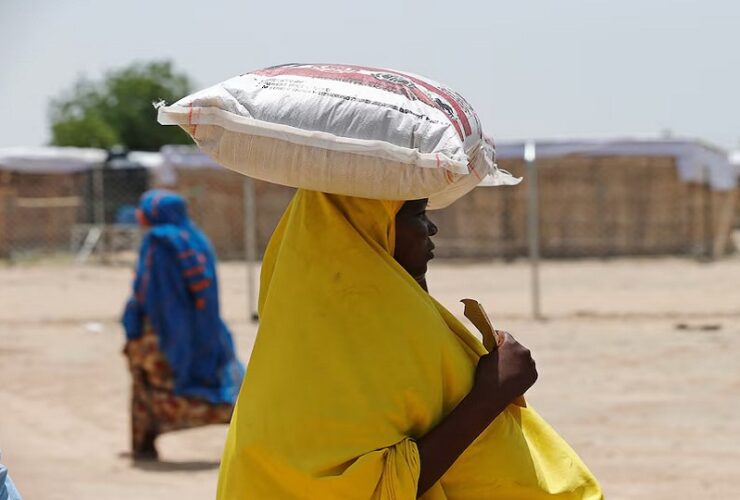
177 291
7 488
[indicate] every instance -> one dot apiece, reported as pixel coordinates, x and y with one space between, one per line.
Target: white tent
735 162
50 160
695 160
65 160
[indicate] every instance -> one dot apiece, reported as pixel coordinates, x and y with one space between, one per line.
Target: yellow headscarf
352 362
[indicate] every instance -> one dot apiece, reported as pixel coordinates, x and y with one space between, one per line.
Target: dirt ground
638 359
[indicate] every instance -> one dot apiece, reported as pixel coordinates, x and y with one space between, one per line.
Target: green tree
118 109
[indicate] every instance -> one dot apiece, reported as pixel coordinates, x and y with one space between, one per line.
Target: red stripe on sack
448 176
371 81
189 273
193 127
449 98
200 303
200 285
354 78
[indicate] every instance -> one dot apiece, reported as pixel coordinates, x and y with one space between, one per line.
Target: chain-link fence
83 211
86 211
592 206
592 203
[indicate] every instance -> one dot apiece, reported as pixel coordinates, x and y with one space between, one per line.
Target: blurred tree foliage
118 109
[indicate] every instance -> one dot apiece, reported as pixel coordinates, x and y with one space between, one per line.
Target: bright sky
540 68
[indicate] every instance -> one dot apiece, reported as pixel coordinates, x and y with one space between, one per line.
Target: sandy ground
638 365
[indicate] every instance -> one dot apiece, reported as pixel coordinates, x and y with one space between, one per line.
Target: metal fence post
99 209
250 245
533 226
6 226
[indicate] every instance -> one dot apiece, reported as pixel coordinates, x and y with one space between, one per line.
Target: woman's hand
503 375
500 377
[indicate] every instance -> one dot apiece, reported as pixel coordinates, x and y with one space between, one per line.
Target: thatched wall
589 207
216 204
721 207
38 211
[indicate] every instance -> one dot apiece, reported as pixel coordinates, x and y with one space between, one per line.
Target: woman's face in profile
414 247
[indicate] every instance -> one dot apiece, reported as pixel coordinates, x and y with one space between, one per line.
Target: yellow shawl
352 362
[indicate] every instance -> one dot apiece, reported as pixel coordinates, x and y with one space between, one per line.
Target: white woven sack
351 130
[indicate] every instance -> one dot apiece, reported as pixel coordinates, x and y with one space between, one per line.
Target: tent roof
696 161
47 159
63 160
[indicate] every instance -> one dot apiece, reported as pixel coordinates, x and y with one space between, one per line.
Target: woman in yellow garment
361 385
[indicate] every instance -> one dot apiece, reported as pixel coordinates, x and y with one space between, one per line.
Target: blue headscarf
177 291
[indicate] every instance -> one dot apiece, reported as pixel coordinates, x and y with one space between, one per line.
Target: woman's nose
432 228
